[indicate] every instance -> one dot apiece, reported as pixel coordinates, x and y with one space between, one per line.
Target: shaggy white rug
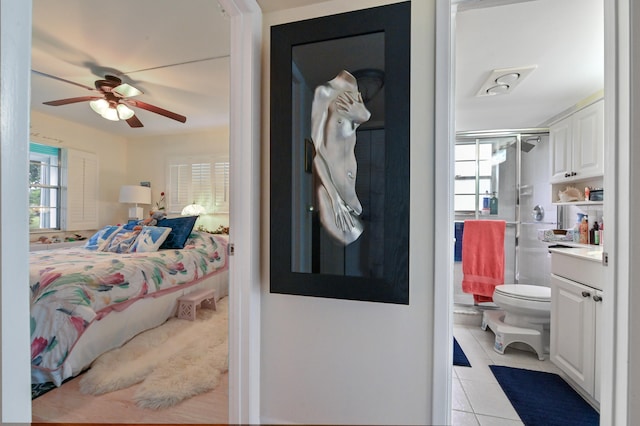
172 362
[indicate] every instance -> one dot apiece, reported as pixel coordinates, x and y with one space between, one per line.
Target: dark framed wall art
340 104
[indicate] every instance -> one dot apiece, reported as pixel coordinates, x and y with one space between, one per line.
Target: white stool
187 303
508 334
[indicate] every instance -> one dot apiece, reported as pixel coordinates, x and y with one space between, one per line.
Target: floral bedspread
72 287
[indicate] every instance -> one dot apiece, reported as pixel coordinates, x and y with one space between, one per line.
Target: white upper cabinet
577 145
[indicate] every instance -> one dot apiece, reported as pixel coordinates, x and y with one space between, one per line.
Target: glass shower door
486 188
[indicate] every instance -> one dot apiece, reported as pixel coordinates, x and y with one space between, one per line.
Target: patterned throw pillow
121 241
100 239
181 228
149 239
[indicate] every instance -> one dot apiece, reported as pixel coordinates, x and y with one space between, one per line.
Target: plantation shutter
200 180
80 188
178 188
201 185
221 193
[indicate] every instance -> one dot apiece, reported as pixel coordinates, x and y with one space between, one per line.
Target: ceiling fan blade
134 122
63 80
157 110
72 100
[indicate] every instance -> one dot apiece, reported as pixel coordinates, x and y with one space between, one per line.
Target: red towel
482 258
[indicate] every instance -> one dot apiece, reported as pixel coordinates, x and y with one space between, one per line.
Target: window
197 180
44 187
63 189
473 174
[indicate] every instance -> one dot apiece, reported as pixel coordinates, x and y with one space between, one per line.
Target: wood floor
68 405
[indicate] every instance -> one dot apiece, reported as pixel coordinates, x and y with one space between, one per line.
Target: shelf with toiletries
579 203
580 224
581 193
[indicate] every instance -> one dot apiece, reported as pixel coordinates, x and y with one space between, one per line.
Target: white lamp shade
110 114
135 194
99 105
193 210
124 112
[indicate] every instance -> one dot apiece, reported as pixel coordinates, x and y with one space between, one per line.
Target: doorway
474 111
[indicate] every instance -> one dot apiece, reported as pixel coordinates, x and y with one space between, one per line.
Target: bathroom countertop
593 253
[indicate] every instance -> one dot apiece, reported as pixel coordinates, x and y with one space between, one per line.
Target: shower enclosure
503 174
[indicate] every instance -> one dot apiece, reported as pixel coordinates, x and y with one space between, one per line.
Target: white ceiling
564 38
142 40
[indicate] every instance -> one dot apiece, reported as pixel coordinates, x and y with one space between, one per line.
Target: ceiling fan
112 100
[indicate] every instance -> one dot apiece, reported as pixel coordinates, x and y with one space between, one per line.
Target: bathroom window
473 168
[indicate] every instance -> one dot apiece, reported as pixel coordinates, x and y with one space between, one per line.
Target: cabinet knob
597 298
586 294
567 175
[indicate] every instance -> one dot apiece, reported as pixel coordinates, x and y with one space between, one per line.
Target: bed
86 301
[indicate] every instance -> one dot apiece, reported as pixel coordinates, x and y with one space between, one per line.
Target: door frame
244 321
620 20
244 218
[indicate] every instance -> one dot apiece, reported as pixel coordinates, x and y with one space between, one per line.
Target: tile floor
477 398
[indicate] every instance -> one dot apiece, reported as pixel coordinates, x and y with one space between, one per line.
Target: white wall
337 361
129 161
111 152
148 157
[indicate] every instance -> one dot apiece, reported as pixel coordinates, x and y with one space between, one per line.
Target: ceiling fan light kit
110 111
114 104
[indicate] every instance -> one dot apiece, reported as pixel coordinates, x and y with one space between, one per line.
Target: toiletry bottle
584 231
587 191
594 234
486 203
493 204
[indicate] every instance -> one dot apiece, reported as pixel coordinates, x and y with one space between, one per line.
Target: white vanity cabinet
577 145
577 291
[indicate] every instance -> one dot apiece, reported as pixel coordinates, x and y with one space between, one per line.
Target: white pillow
122 241
150 239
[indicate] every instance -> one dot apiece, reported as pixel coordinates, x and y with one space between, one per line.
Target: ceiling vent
503 81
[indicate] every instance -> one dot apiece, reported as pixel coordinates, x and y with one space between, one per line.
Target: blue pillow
100 239
132 224
181 228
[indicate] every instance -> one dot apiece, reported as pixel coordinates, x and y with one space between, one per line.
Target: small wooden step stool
187 303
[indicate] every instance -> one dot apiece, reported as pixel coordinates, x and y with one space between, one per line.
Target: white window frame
47 183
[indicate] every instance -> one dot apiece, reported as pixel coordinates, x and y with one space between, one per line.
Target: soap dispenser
493 204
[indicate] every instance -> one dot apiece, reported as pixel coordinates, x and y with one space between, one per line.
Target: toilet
523 316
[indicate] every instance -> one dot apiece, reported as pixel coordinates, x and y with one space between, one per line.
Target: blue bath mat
459 358
544 399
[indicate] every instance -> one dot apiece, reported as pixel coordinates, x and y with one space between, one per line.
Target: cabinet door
588 141
573 330
560 150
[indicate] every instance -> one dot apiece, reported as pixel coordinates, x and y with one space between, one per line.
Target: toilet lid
524 291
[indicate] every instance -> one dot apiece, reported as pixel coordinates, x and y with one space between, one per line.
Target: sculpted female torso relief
336 113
